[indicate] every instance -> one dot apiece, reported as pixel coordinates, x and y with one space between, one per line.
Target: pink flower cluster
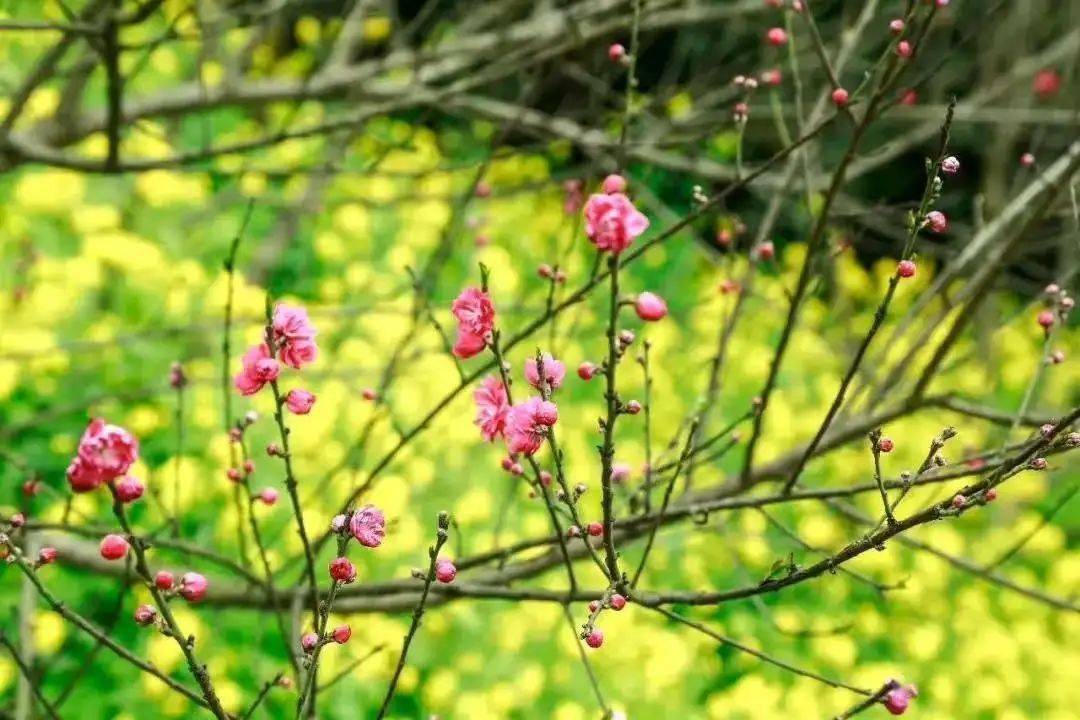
611 220
475 315
105 453
293 337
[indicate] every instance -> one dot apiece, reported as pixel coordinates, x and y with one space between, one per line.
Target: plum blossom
294 336
368 526
108 450
554 372
258 368
475 314
299 401
527 424
612 222
492 407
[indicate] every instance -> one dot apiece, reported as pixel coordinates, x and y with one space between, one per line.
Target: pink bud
959 501
30 488
177 379
17 520
547 413
545 478
516 469
766 251
991 495
906 269
937 221
618 602
1047 83
164 580
369 394
626 337
950 165
482 189
840 97
129 489
896 26
445 571
595 529
249 467
309 642
341 634
885 445
1027 159
1052 289
594 605
650 307
145 614
586 370
772 77
272 449
614 184
545 271
595 639
633 407
46 555
896 702
1046 319
573 531
342 570
193 586
338 523
268 496
233 474
299 401
776 36
909 97
620 472
1047 430
113 547
616 52
904 49
1057 357
1038 463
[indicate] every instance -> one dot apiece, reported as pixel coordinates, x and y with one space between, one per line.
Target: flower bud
445 571
113 547
145 615
164 580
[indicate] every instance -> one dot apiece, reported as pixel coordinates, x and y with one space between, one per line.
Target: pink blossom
898 699
268 496
612 222
650 306
164 580
492 407
1045 318
106 451
620 472
527 424
840 97
587 370
46 555
299 401
618 602
309 641
554 372
294 336
950 165
905 269
475 314
257 369
193 586
368 526
616 52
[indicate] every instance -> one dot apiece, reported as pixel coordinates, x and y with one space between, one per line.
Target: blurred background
361 158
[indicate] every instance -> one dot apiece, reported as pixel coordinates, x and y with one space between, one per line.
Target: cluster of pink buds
309 642
1060 304
293 338
192 587
549 273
